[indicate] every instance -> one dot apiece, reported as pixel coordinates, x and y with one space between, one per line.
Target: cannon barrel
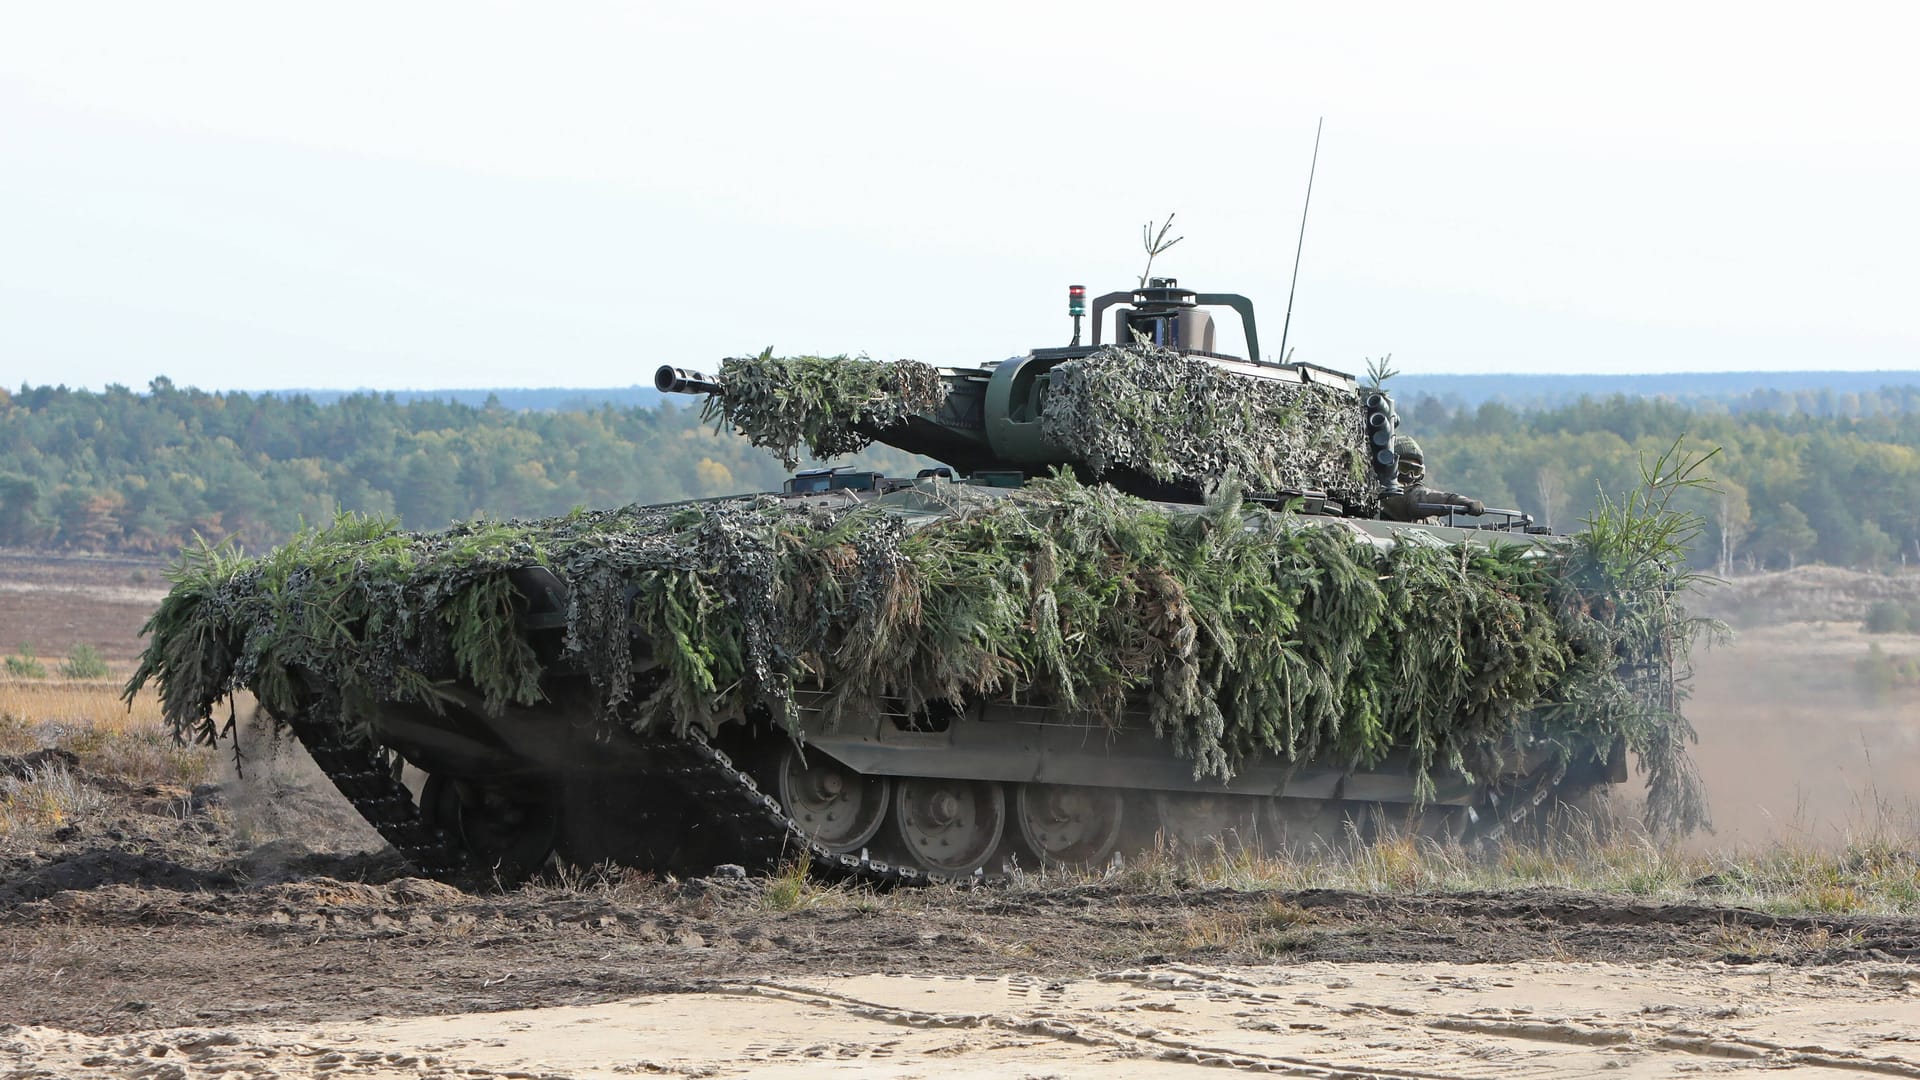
672 380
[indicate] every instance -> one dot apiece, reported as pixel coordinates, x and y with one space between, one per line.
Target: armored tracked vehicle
1148 592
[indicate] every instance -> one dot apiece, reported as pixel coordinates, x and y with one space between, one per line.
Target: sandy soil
114 963
1320 1019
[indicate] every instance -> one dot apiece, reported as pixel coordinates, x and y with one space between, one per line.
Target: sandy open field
1546 1019
161 917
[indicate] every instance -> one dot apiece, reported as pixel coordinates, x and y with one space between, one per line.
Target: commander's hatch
1168 316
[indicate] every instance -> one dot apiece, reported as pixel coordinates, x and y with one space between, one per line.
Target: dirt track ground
246 930
699 978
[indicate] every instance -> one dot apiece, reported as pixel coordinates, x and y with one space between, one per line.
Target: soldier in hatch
1415 498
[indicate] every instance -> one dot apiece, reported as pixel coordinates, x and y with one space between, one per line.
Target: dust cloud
1795 749
281 807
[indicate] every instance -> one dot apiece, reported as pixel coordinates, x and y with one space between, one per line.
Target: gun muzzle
673 380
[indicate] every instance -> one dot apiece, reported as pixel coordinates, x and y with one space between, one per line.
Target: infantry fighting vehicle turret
992 426
895 783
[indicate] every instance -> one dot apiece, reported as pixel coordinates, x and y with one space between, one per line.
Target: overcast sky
403 195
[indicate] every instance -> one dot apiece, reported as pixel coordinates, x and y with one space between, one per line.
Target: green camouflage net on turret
1232 630
827 404
1182 420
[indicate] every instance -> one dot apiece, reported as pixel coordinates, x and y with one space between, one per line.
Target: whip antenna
1301 245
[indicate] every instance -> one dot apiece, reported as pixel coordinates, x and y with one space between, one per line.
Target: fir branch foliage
1621 600
830 405
1234 631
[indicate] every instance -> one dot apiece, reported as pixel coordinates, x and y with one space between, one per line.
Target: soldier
1414 498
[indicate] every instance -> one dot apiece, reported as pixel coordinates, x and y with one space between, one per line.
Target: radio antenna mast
1301 245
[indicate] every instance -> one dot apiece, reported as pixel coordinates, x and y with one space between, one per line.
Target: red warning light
1076 300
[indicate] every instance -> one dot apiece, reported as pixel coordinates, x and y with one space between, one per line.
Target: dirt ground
254 928
119 962
56 602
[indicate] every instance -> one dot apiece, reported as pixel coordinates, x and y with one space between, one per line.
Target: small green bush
1879 675
26 665
84 662
1888 617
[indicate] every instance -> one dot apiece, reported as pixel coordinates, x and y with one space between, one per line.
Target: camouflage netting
1182 420
1233 630
826 404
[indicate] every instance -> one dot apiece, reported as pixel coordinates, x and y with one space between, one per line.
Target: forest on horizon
1817 393
1814 477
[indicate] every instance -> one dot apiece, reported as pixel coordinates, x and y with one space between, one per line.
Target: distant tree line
1794 486
1817 393
1844 394
130 472
143 472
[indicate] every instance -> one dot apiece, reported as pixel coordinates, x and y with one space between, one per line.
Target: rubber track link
746 825
765 835
1492 819
365 775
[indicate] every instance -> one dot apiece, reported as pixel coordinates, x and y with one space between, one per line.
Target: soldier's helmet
1413 464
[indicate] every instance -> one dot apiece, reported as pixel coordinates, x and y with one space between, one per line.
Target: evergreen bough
1232 629
831 405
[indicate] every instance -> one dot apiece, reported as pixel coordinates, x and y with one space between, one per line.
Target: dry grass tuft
1876 871
791 887
1275 927
43 800
608 882
88 718
794 888
92 703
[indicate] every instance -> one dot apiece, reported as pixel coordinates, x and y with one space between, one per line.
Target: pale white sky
398 195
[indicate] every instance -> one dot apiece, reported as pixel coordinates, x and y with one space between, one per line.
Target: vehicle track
757 833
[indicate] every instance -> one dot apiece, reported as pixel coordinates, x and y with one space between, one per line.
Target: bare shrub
43 800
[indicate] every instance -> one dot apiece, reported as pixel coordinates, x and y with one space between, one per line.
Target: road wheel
1068 825
1203 823
507 831
839 808
949 826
